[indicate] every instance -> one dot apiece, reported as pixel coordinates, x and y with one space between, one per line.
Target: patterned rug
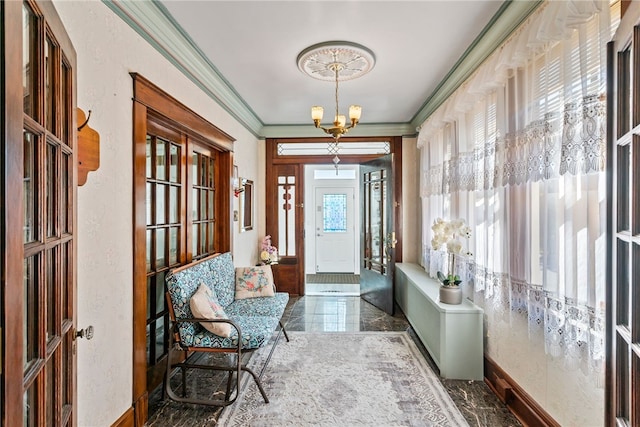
333 278
345 379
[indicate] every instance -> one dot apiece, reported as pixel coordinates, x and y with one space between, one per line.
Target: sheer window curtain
518 151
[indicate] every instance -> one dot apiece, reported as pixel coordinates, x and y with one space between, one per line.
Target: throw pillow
253 282
205 305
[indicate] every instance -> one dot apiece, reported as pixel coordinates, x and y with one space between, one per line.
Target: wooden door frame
150 99
299 161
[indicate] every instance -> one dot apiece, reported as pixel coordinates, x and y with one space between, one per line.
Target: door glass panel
622 283
173 245
622 356
160 247
195 234
30 327
195 198
65 191
65 274
52 182
50 394
29 63
159 339
65 104
49 81
160 204
334 213
29 184
149 249
66 372
174 205
159 293
174 168
51 280
161 161
149 159
30 414
149 204
286 216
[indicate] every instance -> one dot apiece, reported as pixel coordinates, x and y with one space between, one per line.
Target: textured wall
108 50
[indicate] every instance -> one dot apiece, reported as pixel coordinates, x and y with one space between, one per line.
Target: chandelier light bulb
340 120
317 112
355 111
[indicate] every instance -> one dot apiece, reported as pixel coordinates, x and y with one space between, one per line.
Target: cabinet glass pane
30 320
29 63
30 181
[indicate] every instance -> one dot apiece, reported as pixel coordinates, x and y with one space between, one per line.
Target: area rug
345 379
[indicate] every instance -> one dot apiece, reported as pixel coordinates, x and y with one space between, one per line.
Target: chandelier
336 61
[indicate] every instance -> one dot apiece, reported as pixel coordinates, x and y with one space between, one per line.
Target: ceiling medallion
336 61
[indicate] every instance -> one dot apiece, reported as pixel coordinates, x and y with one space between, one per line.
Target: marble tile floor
479 406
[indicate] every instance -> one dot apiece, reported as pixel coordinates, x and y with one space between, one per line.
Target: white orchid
448 234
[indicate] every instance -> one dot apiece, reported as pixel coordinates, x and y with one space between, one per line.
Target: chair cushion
265 306
181 287
205 305
254 282
256 331
223 278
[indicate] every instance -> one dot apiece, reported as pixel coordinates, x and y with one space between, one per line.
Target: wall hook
85 122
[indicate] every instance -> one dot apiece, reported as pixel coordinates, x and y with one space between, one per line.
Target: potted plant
448 234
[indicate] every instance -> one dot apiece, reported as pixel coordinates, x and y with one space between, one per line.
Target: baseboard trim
126 420
527 410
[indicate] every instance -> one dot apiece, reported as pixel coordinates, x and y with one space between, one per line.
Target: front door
335 234
39 164
377 260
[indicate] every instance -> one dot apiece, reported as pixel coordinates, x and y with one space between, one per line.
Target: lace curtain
518 151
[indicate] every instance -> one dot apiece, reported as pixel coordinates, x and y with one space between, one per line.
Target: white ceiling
254 46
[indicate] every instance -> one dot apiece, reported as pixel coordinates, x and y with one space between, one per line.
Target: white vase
450 295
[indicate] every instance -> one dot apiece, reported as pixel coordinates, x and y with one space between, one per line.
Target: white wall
108 50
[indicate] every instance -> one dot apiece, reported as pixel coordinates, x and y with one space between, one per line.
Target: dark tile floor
476 402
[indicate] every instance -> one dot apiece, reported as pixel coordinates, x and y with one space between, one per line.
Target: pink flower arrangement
269 253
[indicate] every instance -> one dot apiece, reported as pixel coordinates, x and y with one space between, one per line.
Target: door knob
85 333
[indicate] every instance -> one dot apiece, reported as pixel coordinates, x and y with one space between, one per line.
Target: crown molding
155 24
508 18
